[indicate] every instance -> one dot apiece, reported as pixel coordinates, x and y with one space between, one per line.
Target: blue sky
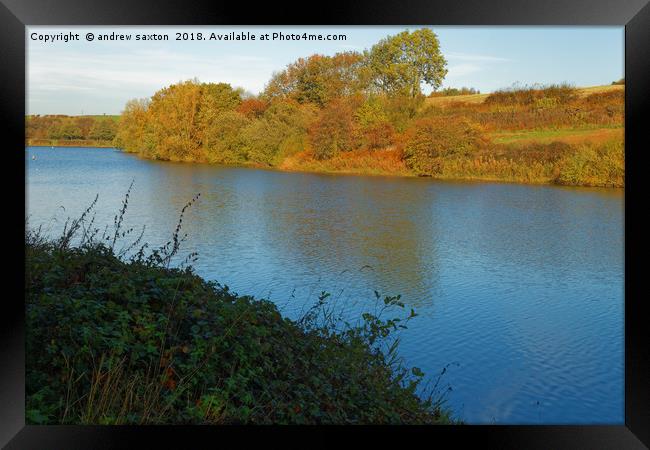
97 77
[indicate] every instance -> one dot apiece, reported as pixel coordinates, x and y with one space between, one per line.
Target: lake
519 289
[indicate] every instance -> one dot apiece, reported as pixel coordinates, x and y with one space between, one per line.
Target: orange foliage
333 131
252 108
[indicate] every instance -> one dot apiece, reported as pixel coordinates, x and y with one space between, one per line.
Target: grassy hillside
480 98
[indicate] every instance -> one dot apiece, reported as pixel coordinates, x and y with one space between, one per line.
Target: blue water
519 289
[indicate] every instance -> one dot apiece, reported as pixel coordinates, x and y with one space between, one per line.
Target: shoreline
494 180
72 143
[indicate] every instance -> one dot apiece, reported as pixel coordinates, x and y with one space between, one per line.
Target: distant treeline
448 92
71 128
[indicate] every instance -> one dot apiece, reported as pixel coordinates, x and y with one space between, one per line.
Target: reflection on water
520 288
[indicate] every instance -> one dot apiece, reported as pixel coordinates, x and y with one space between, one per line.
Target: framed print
380 219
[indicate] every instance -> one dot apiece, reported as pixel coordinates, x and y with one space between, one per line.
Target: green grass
542 136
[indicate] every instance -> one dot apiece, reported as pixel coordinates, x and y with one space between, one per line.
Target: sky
99 77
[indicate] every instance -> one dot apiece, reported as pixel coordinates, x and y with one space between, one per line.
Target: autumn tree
132 126
252 108
374 127
333 131
84 124
174 121
102 130
400 64
223 139
281 131
318 79
67 130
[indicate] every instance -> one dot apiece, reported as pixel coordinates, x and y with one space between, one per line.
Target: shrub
378 135
112 340
432 139
402 110
528 95
594 165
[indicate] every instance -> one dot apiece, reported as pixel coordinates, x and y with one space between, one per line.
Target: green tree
102 130
375 129
400 64
68 131
222 138
219 97
280 132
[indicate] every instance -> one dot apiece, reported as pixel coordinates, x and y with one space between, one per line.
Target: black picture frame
633 14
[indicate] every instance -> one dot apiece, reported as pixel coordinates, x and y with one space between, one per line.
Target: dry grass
600 89
446 101
480 98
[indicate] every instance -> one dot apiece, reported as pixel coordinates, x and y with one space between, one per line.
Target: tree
174 114
281 131
222 138
102 130
318 79
68 131
219 97
132 126
374 127
333 131
400 64
252 108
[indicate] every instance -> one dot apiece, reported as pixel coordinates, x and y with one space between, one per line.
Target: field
588 133
480 98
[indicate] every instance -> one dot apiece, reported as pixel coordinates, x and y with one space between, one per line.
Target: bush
591 165
112 340
528 95
432 139
402 110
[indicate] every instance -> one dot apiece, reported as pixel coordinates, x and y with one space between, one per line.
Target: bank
112 340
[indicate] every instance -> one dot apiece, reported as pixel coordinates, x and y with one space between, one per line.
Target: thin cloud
461 70
477 58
